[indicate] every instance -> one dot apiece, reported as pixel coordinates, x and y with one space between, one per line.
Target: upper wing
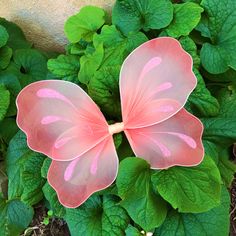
74 181
60 119
176 141
155 82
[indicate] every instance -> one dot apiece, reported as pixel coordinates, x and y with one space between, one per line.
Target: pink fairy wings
61 121
155 82
176 141
76 180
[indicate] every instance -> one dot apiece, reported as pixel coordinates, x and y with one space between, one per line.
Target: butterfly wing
60 119
155 82
176 141
74 181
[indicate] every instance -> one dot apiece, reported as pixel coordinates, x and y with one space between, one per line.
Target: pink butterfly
62 122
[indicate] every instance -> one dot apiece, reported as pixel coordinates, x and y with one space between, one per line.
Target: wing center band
116 128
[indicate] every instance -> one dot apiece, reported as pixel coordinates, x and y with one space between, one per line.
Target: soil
56 227
233 209
233 199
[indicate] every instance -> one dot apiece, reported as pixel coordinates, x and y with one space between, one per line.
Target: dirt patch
56 227
233 209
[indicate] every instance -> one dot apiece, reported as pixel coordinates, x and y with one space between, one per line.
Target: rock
43 20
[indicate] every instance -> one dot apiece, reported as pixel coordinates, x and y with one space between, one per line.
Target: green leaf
190 189
110 37
44 170
98 217
4 101
14 33
104 90
227 76
77 48
219 25
12 84
50 213
134 187
113 55
89 63
186 18
124 149
84 24
30 65
46 221
212 223
219 130
134 15
15 217
51 195
118 138
32 181
227 100
5 57
132 231
12 129
189 46
65 66
110 49
3 36
212 150
196 1
111 190
23 170
116 46
226 167
201 101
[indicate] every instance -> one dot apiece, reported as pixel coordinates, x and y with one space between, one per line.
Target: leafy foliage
132 16
186 17
3 36
211 223
198 187
16 38
5 54
51 197
4 102
15 216
19 66
24 171
104 89
201 102
177 201
219 25
227 167
135 188
84 24
65 67
98 217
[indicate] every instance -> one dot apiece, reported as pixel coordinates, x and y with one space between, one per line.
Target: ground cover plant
176 201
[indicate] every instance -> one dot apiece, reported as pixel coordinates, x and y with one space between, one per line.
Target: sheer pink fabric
175 141
61 121
155 82
74 181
